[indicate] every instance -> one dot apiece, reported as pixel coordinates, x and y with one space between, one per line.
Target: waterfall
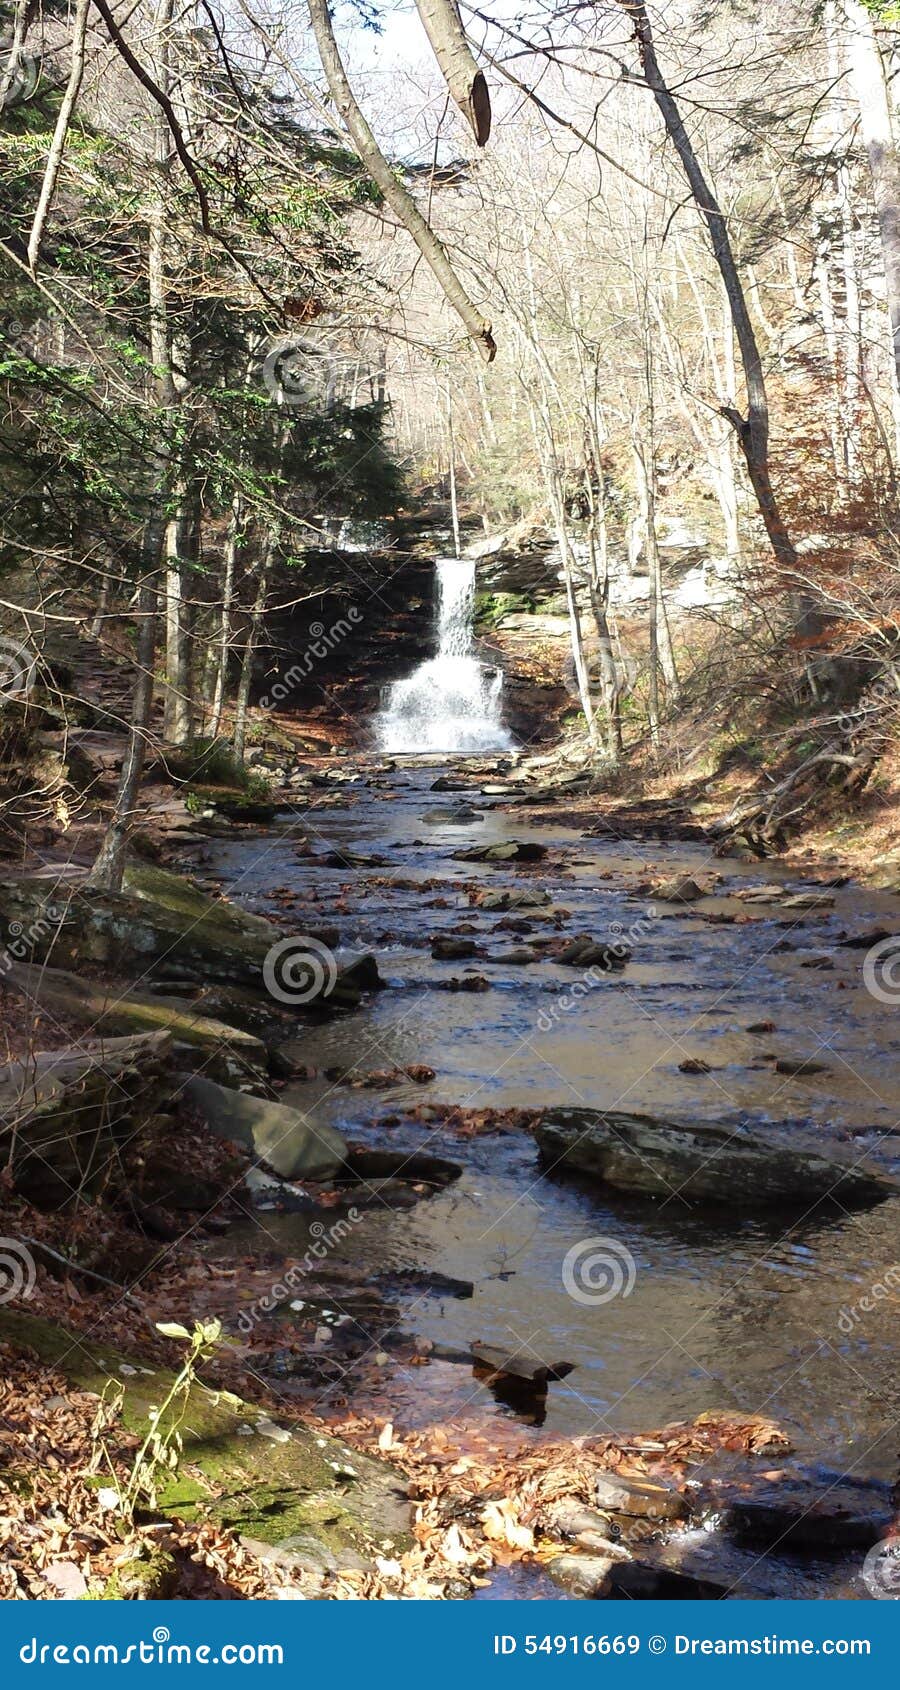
451 702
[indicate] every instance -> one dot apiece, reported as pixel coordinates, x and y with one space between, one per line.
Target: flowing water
452 702
726 1311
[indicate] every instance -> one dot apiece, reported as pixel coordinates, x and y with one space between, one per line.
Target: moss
208 760
151 1576
230 1472
490 608
214 917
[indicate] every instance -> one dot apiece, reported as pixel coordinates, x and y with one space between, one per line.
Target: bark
60 134
870 87
396 195
109 867
232 544
181 546
868 76
239 736
444 28
752 430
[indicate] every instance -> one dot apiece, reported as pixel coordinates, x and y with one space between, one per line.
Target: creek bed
725 1311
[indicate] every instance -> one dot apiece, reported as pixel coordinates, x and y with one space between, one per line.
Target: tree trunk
109 866
232 544
753 430
181 542
383 175
239 736
870 87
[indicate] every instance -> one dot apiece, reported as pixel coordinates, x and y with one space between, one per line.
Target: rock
423 1283
224 1053
276 1195
66 1114
800 1066
808 901
586 1576
513 1364
365 1164
467 983
530 897
639 1498
519 957
356 978
453 950
269 1491
285 1138
201 940
505 851
461 816
873 936
584 952
151 1576
586 1526
641 1581
681 889
694 1065
449 783
729 1166
812 1510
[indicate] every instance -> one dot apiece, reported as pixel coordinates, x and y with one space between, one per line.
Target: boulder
681 889
587 1576
453 950
163 922
265 1480
584 952
735 1167
530 897
285 1138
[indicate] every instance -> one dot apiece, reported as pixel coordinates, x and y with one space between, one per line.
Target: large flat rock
736 1167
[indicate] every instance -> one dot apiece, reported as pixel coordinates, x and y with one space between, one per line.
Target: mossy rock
238 1469
150 1577
225 1053
178 892
490 608
211 761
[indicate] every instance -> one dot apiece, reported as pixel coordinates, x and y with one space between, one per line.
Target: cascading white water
451 703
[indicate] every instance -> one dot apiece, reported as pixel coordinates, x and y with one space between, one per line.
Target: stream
725 1312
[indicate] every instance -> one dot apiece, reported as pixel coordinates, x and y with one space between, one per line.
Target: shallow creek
725 1312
